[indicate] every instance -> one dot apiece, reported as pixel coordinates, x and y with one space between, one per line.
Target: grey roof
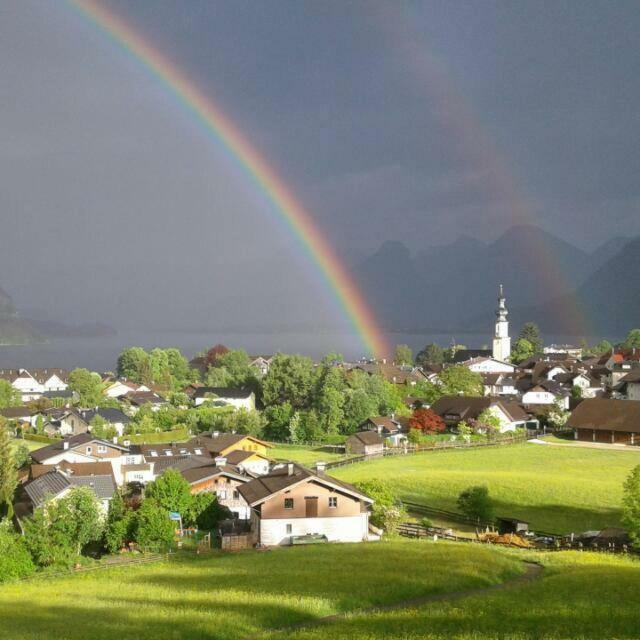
40 455
112 416
46 486
103 486
367 437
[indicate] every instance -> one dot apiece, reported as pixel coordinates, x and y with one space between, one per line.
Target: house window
333 502
102 448
236 495
289 529
222 494
198 452
288 503
89 450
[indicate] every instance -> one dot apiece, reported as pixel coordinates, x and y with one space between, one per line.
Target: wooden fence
436 446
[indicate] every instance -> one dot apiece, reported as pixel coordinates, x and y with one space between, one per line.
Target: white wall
337 529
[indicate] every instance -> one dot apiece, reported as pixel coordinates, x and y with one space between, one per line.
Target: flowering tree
427 421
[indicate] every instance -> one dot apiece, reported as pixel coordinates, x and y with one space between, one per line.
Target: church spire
501 339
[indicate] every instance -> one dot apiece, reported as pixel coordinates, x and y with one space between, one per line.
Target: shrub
476 504
631 506
154 531
15 559
387 511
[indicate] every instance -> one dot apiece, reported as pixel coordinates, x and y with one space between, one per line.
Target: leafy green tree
426 391
631 506
100 428
557 417
119 524
522 350
244 421
170 491
21 455
133 364
431 354
290 379
358 407
488 422
46 540
450 353
387 511
330 399
15 559
9 397
80 513
632 341
293 435
206 512
476 504
87 385
310 429
8 472
159 366
218 377
181 372
153 530
278 418
459 380
403 355
531 333
238 371
604 346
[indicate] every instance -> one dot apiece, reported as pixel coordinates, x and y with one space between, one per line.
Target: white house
488 365
225 396
293 501
456 409
32 384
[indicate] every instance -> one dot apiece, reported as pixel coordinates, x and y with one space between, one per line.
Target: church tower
501 339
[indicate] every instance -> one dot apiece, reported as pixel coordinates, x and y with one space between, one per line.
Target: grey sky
112 196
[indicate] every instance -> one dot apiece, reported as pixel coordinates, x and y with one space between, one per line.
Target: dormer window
198 452
168 452
154 454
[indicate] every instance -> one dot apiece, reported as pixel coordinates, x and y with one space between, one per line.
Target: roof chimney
321 466
115 439
290 468
65 445
215 434
220 461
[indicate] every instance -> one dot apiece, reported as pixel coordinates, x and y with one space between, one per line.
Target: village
219 428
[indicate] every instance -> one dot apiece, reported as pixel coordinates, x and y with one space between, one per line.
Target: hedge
38 438
177 435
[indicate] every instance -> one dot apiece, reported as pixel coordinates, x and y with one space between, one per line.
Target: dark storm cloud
115 194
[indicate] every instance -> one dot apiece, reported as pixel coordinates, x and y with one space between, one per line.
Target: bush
387 511
15 559
154 531
476 504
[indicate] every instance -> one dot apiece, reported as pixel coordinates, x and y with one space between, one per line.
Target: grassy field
303 454
557 489
30 444
231 596
579 596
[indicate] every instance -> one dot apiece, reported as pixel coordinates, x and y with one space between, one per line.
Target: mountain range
547 280
13 328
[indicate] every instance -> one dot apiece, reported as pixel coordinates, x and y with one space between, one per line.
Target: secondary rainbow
284 202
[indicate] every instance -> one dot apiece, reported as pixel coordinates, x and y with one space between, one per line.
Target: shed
365 443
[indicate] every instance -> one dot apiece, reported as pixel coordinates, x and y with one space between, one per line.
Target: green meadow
579 596
303 454
556 489
232 596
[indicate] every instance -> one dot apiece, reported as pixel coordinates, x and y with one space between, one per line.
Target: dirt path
532 572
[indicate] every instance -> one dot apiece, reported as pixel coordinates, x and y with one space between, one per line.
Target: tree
170 491
100 428
450 353
9 397
79 512
359 406
387 511
154 531
459 380
431 354
133 364
427 421
214 353
15 559
206 512
87 385
290 379
632 340
531 333
8 472
631 506
403 355
244 421
118 527
236 367
558 416
476 504
330 399
278 418
522 350
487 422
21 455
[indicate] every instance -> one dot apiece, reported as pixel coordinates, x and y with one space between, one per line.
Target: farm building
607 421
455 409
365 443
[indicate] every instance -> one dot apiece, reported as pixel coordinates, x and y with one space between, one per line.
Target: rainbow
284 203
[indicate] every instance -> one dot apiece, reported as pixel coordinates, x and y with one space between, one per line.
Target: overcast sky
415 121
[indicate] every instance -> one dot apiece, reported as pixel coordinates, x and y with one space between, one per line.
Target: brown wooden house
606 421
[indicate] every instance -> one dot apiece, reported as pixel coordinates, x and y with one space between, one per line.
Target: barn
606 421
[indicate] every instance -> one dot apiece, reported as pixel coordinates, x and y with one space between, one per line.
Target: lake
101 353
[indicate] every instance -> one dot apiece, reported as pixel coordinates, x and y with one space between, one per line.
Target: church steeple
501 339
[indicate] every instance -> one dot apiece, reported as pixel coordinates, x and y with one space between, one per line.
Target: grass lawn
579 596
556 489
303 454
30 443
230 596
